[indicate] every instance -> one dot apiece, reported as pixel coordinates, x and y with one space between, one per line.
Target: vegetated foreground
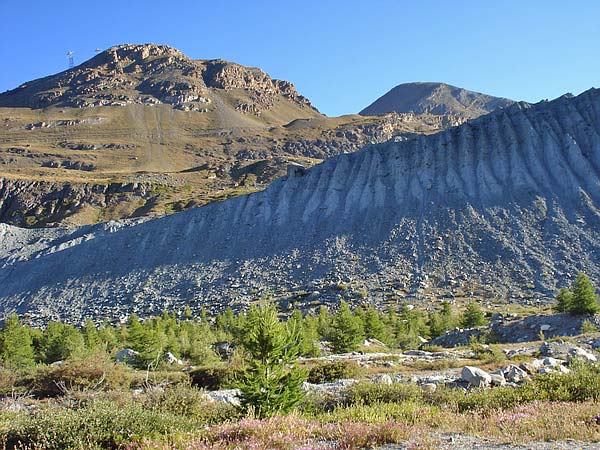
499 208
125 386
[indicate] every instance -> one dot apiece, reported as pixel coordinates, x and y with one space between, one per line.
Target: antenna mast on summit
70 55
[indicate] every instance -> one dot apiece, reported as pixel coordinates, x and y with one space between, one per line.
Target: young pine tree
585 300
61 341
272 382
472 316
16 347
564 301
347 330
373 326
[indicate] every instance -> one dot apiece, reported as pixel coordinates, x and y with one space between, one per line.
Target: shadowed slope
505 204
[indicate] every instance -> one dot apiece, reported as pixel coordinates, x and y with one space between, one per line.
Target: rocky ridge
152 74
504 206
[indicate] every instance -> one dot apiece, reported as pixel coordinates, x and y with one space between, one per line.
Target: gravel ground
462 442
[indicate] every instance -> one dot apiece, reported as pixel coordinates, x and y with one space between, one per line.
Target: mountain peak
435 98
152 74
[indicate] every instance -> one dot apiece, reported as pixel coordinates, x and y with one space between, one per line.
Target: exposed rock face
152 74
502 202
34 203
436 98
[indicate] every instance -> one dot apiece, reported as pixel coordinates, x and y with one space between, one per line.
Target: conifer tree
272 381
60 342
90 335
347 330
585 300
472 316
16 346
373 326
436 325
564 301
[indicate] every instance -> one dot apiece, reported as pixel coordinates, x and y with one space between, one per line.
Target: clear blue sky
342 55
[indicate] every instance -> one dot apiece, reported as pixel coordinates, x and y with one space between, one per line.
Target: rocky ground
462 442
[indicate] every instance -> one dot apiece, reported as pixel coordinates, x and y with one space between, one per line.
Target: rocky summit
154 74
436 98
503 206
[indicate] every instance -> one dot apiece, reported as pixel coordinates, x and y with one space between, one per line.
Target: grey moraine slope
506 204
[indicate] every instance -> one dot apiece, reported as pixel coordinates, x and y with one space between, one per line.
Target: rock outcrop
506 203
152 74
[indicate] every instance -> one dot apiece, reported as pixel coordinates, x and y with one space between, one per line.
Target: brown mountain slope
435 98
144 130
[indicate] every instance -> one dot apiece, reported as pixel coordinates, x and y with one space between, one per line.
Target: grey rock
498 379
552 363
127 356
581 354
514 374
229 396
475 376
383 379
170 358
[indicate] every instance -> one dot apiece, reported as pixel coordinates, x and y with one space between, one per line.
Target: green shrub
188 401
581 384
214 377
97 372
472 316
587 326
579 298
97 425
331 371
368 393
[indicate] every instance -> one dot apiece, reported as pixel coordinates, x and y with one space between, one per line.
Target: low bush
188 401
326 372
214 377
97 425
368 393
97 372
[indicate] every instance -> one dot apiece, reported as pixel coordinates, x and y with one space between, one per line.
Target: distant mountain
435 98
143 130
150 74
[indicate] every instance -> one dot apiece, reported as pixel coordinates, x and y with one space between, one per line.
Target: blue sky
342 55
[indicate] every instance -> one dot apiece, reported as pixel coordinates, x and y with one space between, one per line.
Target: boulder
170 358
429 387
564 350
475 376
229 396
581 354
532 367
563 369
498 379
513 374
127 356
552 363
383 379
